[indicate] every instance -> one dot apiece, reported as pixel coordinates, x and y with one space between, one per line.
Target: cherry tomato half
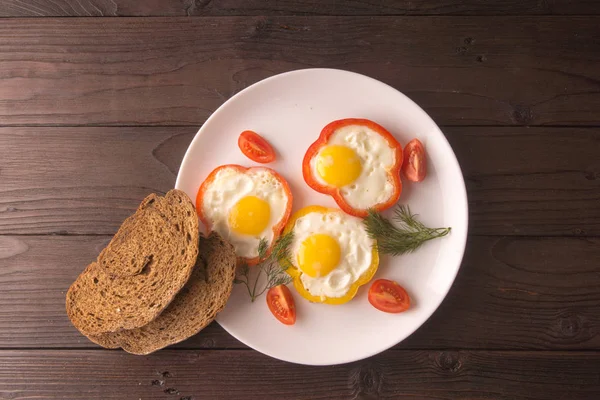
388 296
255 147
415 164
281 303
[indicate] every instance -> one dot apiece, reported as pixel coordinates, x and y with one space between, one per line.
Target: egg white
377 157
230 186
355 247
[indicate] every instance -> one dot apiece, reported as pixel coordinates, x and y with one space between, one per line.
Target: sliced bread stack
156 283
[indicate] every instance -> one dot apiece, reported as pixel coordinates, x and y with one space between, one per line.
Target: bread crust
141 270
193 308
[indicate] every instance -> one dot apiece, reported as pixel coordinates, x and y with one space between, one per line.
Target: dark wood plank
526 181
159 71
114 8
35 274
532 180
511 293
424 375
82 180
520 293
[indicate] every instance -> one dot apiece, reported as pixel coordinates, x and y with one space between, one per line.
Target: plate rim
453 159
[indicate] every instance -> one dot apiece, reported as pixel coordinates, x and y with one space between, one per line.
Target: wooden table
96 112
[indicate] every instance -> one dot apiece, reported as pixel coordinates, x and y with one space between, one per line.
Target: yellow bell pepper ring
296 273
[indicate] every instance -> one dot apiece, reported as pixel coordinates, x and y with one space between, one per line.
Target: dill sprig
272 267
406 236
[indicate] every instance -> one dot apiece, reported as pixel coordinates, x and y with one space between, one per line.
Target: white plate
290 110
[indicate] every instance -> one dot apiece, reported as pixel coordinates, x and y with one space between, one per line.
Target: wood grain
511 293
77 180
177 71
114 8
425 375
87 180
96 113
543 181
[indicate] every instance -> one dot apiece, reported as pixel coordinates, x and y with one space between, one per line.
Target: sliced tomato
255 147
281 303
388 296
415 163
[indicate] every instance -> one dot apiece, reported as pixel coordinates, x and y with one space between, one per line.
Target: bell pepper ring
351 167
296 273
277 228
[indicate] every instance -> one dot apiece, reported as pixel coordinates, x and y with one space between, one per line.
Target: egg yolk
250 216
338 165
319 254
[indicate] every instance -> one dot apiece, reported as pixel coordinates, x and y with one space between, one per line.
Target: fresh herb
272 267
404 237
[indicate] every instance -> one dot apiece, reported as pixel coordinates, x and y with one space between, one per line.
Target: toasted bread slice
194 307
141 270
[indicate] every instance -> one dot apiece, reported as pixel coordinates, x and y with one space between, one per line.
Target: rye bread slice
193 308
141 270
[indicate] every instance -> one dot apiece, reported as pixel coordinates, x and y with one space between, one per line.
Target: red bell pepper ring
335 192
276 229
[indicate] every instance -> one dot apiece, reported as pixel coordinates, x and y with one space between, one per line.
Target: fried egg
357 162
331 254
245 205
